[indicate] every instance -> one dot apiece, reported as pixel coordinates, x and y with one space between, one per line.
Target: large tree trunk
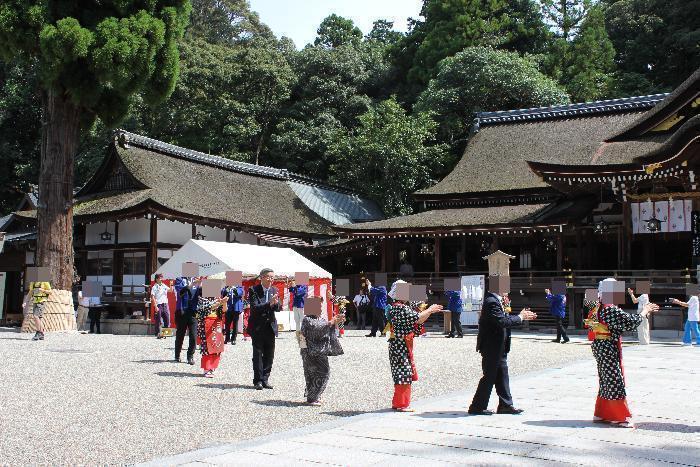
59 142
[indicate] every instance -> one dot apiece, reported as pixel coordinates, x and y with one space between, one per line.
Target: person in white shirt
691 324
83 309
643 329
362 307
159 296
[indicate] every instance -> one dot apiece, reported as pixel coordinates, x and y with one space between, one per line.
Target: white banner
674 215
472 295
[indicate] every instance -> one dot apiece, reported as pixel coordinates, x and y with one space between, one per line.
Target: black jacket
494 327
261 314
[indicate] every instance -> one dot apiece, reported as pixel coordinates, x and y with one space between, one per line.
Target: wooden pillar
436 250
152 252
625 236
116 233
228 235
194 230
463 254
579 247
385 255
560 251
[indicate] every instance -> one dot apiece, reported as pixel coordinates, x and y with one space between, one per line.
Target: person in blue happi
187 292
234 309
298 296
454 304
557 307
377 296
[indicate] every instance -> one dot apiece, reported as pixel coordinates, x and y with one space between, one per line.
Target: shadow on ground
280 403
178 374
224 386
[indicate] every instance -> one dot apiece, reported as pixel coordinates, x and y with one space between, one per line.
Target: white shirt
160 293
693 309
83 301
267 293
642 300
360 299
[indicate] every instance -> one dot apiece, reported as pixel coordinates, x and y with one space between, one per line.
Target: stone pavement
556 428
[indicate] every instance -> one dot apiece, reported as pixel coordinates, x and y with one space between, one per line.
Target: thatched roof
141 172
509 218
495 156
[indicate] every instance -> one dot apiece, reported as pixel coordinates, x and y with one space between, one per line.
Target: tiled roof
570 110
336 207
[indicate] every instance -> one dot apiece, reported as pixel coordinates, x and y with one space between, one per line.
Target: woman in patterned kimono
318 341
404 319
607 323
210 324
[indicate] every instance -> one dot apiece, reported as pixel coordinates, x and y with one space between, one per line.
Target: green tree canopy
383 32
484 79
452 25
335 31
565 16
226 21
657 42
589 74
92 58
390 155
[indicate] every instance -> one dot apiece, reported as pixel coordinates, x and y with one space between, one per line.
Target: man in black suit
493 342
262 327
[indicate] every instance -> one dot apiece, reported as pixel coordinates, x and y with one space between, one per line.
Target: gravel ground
88 399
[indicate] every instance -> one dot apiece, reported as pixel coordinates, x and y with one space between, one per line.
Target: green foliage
19 131
657 42
383 33
335 31
565 16
226 22
484 79
589 75
390 155
98 55
452 25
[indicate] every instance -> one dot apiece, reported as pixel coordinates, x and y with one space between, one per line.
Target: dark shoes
460 337
266 385
509 411
565 340
190 360
177 359
258 386
233 342
555 340
480 412
449 336
371 335
38 336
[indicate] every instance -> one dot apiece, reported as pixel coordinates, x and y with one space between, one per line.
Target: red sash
409 345
215 336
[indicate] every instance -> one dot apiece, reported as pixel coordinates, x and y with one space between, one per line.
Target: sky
299 19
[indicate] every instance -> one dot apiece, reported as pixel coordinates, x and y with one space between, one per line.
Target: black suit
187 322
262 327
493 342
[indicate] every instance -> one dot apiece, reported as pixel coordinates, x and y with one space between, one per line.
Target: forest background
385 113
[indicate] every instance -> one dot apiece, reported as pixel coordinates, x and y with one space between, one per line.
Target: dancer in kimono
404 320
210 325
318 341
607 323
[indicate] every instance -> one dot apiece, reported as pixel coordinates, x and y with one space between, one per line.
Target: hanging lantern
200 236
653 225
348 261
485 245
600 227
550 244
371 251
426 249
106 236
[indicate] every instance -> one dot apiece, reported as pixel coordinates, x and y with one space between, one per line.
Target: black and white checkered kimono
403 320
608 352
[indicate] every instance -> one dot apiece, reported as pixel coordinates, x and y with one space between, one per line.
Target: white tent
215 258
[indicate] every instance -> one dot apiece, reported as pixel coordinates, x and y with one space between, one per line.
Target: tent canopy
215 258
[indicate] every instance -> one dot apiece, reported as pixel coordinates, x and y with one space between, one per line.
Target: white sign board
472 294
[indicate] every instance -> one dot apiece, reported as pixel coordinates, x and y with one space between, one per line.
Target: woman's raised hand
434 308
